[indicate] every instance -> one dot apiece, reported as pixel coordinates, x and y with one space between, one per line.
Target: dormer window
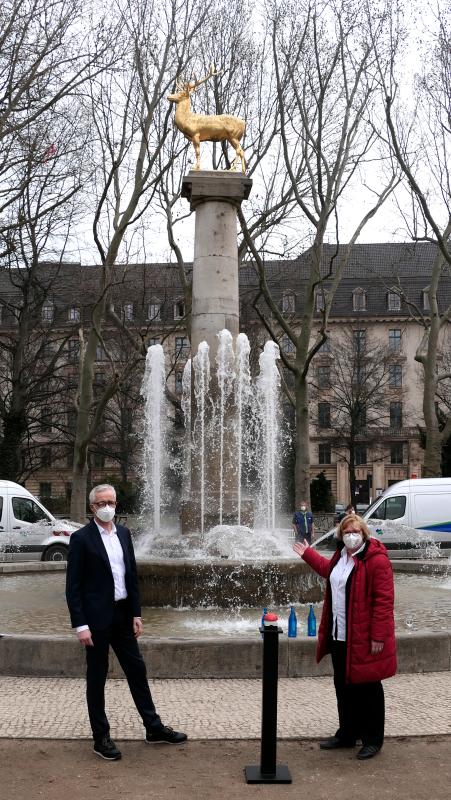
359 300
179 309
47 313
153 311
393 301
127 311
288 303
74 314
320 301
425 293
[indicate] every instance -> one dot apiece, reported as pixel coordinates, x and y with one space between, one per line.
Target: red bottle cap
270 620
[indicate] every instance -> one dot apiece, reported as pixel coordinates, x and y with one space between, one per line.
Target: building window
287 344
72 420
46 457
324 454
179 382
72 382
68 490
359 300
100 352
360 414
47 314
181 347
47 350
74 349
359 341
154 340
288 303
394 301
395 340
74 314
46 422
288 376
324 377
45 490
179 309
153 311
325 347
395 415
127 311
320 301
99 460
426 306
397 453
360 454
126 419
70 459
99 383
360 375
395 378
324 415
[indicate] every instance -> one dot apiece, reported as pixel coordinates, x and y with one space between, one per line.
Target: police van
28 532
423 505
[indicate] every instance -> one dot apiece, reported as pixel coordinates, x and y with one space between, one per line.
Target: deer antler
198 83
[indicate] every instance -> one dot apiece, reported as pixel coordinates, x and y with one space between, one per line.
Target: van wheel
56 553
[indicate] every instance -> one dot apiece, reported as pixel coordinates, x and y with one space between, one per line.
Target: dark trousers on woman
121 638
361 706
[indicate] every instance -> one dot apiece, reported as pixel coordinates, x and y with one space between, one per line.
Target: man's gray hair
101 488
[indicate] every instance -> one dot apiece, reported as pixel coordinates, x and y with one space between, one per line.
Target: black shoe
334 743
107 749
166 736
368 751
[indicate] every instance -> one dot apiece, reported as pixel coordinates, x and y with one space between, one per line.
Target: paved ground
47 708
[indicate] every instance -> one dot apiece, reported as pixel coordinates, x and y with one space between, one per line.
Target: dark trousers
361 706
299 537
121 638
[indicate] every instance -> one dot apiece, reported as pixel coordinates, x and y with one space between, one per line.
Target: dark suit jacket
89 580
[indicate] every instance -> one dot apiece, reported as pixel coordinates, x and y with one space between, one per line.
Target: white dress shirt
338 579
115 555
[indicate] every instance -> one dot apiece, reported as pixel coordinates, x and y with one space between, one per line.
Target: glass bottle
292 624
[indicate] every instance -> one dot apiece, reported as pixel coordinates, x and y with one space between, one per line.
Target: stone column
215 197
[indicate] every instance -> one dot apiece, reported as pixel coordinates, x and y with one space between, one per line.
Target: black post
269 771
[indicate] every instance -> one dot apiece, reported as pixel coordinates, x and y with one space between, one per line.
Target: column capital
227 187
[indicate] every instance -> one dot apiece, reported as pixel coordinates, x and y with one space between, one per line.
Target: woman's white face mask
353 540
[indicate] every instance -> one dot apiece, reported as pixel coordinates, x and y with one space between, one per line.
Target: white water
268 383
225 374
186 408
201 367
154 444
243 403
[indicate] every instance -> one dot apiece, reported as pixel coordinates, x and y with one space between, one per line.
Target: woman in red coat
358 629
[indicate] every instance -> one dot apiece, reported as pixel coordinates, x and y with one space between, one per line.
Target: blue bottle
311 623
265 611
292 624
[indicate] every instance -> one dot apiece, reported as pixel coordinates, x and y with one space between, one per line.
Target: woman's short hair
357 522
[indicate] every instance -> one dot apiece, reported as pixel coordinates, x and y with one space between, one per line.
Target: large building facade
372 340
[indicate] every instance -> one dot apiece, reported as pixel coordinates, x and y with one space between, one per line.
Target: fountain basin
223 583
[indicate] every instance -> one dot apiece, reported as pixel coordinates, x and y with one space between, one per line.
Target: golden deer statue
199 128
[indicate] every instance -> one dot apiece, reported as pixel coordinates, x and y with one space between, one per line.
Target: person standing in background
303 524
349 510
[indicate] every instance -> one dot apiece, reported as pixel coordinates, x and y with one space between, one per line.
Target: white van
28 532
423 504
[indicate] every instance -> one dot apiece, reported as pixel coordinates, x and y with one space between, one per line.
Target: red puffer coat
369 614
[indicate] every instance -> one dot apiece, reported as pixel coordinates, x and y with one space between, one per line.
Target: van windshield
373 504
26 510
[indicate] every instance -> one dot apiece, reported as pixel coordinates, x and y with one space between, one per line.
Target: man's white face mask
106 514
352 540
303 508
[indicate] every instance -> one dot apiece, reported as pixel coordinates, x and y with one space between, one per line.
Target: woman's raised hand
300 548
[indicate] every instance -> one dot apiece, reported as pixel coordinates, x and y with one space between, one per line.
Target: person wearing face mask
303 524
102 594
358 630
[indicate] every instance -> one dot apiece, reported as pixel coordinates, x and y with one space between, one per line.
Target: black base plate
253 775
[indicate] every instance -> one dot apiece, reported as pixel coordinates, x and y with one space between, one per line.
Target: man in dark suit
103 597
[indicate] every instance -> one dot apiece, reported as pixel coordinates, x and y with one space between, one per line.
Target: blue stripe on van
441 526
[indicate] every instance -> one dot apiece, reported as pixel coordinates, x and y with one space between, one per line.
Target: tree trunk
352 471
14 429
79 484
302 443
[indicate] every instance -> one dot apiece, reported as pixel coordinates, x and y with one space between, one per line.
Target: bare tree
323 61
132 118
352 390
419 141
